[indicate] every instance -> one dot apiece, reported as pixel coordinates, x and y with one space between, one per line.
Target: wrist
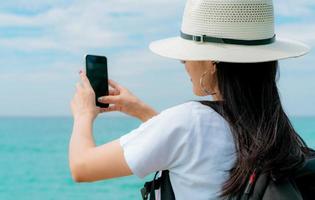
146 112
84 117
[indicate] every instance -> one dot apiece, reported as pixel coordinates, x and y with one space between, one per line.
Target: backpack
299 185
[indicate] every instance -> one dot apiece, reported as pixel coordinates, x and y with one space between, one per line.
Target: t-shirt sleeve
156 144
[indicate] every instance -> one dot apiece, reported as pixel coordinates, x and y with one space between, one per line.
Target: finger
110 108
109 99
75 98
78 86
113 92
85 81
114 84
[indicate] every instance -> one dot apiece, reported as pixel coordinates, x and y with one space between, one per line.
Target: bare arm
87 161
91 163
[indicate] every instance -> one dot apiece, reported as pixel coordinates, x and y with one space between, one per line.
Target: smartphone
96 71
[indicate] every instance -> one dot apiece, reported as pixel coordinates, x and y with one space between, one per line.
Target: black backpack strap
162 182
256 187
150 187
167 192
305 177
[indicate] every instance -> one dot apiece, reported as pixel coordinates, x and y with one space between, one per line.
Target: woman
230 52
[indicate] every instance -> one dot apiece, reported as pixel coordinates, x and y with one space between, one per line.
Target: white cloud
31 5
137 62
304 32
74 27
85 24
48 90
29 44
293 8
126 66
13 20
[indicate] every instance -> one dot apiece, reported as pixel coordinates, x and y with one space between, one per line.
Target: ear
213 67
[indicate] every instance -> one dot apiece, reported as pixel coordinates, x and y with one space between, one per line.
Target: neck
217 97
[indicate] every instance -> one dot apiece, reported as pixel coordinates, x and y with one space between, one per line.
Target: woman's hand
124 101
83 102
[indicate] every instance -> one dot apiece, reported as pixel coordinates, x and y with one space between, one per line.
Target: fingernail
100 99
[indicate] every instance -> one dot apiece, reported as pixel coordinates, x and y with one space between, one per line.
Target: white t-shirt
192 141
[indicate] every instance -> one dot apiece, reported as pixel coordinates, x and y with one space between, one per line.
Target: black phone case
96 71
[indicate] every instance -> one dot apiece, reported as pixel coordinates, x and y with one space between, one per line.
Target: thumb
98 110
109 99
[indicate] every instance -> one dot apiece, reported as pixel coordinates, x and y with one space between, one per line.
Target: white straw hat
228 31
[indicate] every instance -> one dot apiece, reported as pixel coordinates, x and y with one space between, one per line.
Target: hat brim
182 49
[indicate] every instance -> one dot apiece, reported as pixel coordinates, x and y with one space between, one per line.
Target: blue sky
43 43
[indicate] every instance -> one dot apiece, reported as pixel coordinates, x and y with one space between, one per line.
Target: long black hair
263 134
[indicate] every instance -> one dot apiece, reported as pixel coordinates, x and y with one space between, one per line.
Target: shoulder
206 112
183 108
174 117
189 109
186 114
185 111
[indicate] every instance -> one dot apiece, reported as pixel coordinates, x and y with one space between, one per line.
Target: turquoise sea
34 158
